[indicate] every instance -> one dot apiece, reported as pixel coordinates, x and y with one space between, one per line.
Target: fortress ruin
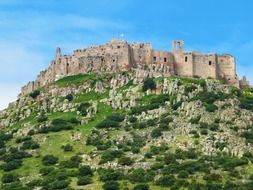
120 55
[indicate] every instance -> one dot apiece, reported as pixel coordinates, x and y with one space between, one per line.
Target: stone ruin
120 55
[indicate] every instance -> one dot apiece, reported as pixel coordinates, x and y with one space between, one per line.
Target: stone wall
120 55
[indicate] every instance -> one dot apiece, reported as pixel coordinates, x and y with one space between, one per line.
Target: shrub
12 165
149 83
111 185
67 148
109 174
9 178
135 149
110 155
42 118
203 132
157 132
84 180
34 94
49 160
57 125
69 97
137 175
116 117
82 108
211 107
125 161
169 158
108 124
166 181
141 187
29 145
183 174
85 170
46 170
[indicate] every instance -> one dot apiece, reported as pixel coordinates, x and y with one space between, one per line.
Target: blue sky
31 30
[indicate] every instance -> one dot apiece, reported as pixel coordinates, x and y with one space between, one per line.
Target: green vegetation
149 83
69 150
75 79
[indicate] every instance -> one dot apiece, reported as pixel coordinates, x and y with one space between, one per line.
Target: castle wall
204 66
227 69
183 64
119 55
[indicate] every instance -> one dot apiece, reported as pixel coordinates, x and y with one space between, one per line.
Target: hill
118 131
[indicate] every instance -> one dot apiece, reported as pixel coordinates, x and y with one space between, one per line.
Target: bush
109 174
149 83
211 107
69 97
85 170
166 181
9 178
42 118
116 117
56 126
125 161
46 170
156 132
111 185
137 175
29 145
82 108
84 180
34 94
141 187
169 158
108 124
12 165
110 155
49 160
183 174
67 148
203 132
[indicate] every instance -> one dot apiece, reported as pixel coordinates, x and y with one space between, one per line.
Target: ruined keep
120 55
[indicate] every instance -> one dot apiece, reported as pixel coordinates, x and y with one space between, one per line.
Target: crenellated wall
120 55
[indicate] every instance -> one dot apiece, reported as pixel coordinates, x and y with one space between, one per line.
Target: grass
75 79
90 96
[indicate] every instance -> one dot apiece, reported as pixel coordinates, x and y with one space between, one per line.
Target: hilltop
117 130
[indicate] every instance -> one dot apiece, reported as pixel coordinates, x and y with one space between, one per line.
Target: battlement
120 55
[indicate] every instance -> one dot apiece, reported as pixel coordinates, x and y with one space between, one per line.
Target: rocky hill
119 131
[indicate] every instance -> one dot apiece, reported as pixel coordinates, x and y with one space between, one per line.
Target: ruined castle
120 55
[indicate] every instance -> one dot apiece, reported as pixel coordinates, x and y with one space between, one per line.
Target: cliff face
120 55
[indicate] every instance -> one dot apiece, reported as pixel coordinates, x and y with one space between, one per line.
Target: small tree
141 187
69 97
85 170
67 148
84 180
111 185
149 83
34 94
49 160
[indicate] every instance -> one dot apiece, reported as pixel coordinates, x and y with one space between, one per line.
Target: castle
120 55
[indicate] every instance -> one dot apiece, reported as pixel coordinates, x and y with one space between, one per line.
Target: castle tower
178 46
58 53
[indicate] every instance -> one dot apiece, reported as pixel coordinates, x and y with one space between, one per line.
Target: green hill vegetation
179 134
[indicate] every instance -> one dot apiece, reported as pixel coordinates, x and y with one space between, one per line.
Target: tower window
210 62
186 59
165 59
154 58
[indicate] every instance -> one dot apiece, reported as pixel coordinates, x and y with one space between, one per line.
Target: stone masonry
120 55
